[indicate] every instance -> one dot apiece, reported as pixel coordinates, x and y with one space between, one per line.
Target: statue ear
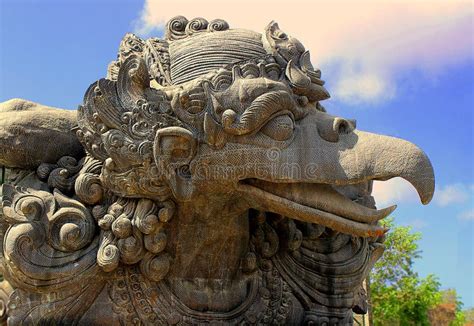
174 146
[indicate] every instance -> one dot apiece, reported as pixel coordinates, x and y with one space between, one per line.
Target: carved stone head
216 187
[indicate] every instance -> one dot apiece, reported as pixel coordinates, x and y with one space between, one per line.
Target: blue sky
415 82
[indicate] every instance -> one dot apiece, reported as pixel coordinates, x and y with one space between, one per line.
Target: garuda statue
200 182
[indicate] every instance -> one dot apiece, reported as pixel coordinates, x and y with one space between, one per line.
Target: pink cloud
393 191
372 40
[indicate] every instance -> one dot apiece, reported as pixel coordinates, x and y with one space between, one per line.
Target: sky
401 68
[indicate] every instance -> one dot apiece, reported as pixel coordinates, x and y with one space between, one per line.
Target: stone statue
201 182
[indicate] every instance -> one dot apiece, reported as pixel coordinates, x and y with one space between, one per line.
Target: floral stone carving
201 182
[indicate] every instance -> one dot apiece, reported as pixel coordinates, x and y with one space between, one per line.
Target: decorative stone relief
201 182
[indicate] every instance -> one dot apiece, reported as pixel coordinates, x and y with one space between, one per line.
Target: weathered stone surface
215 189
31 134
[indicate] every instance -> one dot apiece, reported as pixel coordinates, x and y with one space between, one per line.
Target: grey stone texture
31 134
201 182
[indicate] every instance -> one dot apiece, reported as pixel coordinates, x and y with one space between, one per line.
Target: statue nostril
343 126
342 129
339 126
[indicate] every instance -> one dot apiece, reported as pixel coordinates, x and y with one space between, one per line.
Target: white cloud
393 191
452 194
467 215
397 190
364 87
370 41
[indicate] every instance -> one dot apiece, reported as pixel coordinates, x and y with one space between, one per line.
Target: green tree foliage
399 296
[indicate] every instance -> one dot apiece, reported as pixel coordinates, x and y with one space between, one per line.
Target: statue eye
279 128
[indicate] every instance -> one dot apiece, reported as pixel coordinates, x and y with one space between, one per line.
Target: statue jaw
319 204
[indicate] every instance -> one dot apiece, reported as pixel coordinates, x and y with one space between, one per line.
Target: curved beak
376 157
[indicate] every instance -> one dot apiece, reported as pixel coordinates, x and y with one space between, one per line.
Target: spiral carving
61 175
50 237
30 207
60 178
108 255
122 227
144 216
131 248
217 25
70 163
134 231
72 227
155 243
20 206
147 224
23 238
166 213
44 170
175 29
88 188
196 25
179 27
155 267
